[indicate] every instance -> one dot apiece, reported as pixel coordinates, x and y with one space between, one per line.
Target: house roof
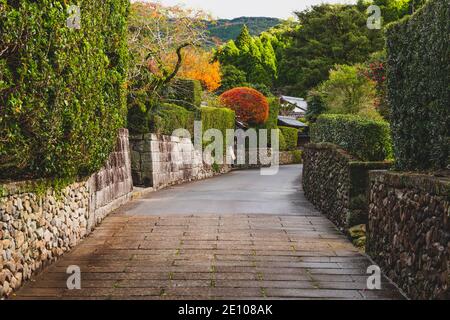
291 122
300 103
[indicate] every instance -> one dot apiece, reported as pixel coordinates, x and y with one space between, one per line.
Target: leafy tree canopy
329 35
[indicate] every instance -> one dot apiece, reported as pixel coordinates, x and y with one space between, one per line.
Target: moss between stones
40 187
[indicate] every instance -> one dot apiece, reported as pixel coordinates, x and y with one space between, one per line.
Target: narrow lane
238 236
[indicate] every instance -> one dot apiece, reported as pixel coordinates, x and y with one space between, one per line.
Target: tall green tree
393 10
253 56
329 35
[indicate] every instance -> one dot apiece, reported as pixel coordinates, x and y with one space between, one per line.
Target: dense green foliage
62 90
170 118
316 106
218 118
349 91
297 155
330 34
163 119
274 110
393 10
290 137
225 30
418 87
232 77
186 93
281 141
254 57
368 140
272 120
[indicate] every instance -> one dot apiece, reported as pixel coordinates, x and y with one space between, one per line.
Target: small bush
186 93
290 137
365 139
250 105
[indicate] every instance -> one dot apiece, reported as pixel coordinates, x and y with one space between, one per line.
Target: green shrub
297 155
368 140
290 137
170 117
186 93
274 110
282 140
217 118
272 121
163 119
316 105
62 90
418 87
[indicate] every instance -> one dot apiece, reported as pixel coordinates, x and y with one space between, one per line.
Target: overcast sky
252 8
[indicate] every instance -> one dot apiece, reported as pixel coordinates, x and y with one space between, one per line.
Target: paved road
239 192
239 236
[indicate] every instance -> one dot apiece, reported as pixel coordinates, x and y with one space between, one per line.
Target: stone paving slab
212 257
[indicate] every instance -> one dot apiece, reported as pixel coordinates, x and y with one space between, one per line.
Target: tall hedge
290 137
217 118
272 120
418 87
171 117
62 90
368 140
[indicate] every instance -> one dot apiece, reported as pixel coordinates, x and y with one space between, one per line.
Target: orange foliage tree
250 105
197 64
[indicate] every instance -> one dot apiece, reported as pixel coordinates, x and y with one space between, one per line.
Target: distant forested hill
225 30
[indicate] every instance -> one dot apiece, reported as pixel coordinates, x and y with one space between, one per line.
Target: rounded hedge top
250 105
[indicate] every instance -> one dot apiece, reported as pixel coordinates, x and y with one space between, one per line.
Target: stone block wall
337 183
408 232
36 227
159 161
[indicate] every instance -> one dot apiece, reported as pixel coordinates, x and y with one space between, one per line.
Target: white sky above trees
251 8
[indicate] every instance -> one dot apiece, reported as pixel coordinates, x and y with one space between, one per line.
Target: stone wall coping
423 182
352 161
8 188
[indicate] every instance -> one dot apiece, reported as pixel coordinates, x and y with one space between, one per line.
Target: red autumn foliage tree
250 105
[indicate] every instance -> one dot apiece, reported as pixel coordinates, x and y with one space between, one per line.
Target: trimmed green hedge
368 140
186 92
62 90
163 119
282 141
171 117
218 118
418 87
291 138
272 121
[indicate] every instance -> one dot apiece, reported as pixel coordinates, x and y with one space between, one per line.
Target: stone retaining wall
159 161
38 226
337 183
408 231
